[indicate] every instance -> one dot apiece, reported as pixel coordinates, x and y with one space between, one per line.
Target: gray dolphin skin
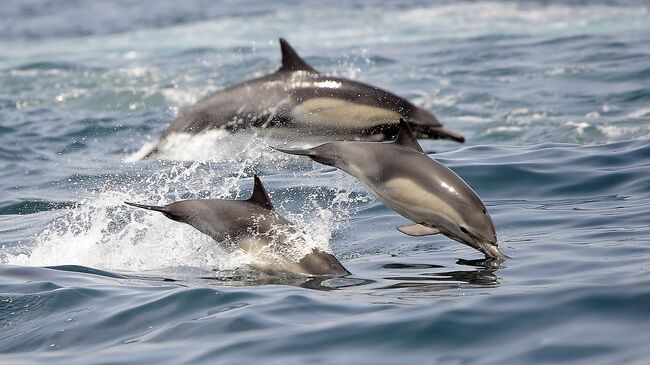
419 188
253 226
298 99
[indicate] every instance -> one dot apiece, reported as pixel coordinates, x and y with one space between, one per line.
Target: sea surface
552 96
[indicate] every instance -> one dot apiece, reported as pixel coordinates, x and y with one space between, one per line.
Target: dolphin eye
464 230
484 211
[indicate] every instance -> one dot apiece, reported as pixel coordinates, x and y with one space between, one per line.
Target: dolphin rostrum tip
494 252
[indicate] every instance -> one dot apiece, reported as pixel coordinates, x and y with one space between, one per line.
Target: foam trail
103 232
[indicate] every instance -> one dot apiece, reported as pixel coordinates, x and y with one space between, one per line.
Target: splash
102 232
212 145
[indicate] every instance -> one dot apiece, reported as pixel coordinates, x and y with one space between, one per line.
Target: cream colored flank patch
328 112
414 202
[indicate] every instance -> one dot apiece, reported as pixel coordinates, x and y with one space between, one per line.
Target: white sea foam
504 128
525 115
580 127
561 70
437 98
180 97
212 145
616 132
472 119
70 95
639 113
479 17
104 233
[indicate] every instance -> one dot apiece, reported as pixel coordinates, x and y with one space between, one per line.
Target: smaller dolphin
253 226
419 188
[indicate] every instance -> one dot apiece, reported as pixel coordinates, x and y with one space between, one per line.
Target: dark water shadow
191 277
425 277
87 270
252 278
419 277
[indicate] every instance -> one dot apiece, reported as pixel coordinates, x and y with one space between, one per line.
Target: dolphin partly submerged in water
297 99
255 227
419 188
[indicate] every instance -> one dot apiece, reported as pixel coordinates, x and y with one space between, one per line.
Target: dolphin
252 225
419 188
298 99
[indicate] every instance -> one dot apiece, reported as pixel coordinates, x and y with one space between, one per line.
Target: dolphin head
322 263
473 226
454 209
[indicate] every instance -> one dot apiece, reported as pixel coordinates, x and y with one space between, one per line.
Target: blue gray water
553 97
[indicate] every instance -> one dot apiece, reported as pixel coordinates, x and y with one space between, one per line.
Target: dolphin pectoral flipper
418 230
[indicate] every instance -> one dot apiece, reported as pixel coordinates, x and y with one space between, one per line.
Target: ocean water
552 96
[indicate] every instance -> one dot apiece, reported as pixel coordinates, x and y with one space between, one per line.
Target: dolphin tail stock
443 133
148 207
317 156
422 131
296 151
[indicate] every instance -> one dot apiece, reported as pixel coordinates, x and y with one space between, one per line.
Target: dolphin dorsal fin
290 59
259 196
406 138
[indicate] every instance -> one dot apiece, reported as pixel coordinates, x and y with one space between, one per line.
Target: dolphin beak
492 251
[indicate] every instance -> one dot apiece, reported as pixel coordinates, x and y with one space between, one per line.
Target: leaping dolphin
300 100
255 227
419 188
